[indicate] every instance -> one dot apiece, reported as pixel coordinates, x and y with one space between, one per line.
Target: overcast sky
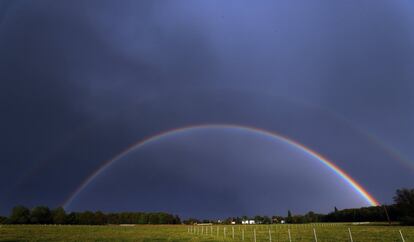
80 81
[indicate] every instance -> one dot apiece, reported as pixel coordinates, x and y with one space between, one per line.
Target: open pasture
308 232
305 232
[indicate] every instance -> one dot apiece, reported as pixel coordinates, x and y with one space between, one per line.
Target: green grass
325 232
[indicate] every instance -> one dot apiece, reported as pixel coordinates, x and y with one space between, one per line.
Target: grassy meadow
324 232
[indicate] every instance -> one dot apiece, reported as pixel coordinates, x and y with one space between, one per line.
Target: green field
324 232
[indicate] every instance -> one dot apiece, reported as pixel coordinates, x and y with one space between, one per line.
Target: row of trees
43 215
402 210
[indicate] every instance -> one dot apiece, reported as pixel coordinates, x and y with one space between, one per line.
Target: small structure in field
248 221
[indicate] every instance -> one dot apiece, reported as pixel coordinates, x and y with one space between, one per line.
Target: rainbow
329 164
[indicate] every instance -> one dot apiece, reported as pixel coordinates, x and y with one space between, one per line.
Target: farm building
248 221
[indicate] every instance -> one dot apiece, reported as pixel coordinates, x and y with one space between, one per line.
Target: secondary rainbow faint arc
341 173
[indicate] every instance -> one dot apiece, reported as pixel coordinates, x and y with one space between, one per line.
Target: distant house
233 222
248 221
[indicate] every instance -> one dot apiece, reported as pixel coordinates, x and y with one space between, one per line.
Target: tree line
44 215
401 211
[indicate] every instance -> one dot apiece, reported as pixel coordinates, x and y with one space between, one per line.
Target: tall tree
59 216
86 217
266 220
143 218
154 218
258 219
3 220
289 217
100 218
177 219
20 215
404 201
41 215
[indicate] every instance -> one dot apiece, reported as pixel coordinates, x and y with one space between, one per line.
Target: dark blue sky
82 80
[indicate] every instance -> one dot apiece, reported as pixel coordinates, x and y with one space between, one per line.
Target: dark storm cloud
80 81
64 99
370 75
